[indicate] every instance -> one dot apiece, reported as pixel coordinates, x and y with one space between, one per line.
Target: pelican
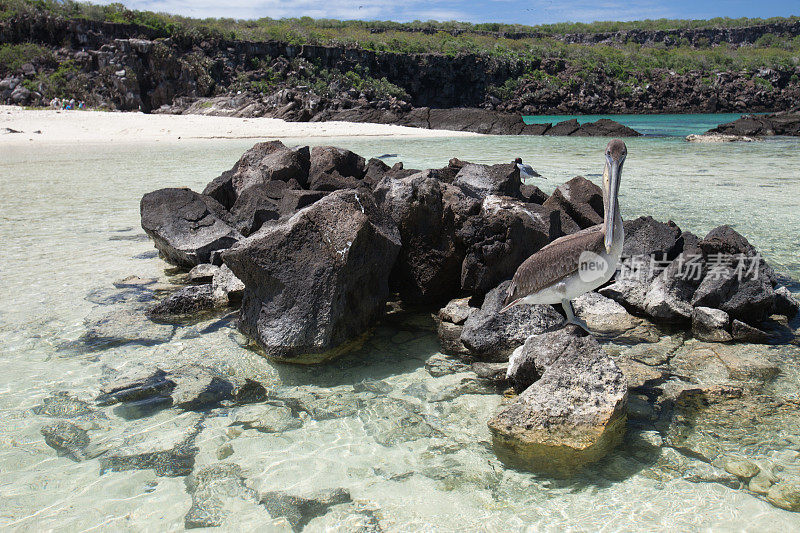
578 263
526 171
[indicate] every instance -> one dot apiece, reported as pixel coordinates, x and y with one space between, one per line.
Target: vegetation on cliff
718 64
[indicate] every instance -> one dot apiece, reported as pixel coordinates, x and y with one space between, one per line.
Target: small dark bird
526 171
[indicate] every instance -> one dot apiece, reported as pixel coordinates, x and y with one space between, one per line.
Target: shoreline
103 127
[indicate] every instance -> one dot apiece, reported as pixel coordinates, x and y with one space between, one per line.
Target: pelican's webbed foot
572 319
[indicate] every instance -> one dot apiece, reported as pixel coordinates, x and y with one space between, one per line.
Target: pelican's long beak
614 168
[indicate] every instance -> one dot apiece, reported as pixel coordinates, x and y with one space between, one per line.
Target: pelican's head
616 152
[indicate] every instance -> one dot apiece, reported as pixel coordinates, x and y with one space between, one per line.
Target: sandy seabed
25 126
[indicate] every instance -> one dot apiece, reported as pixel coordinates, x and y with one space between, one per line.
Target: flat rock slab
573 415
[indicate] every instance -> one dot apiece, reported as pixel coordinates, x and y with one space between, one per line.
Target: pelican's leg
571 318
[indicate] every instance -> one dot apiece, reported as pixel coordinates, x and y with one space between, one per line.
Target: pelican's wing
555 262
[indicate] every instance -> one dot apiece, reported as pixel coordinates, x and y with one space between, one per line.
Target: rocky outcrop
315 282
263 163
580 199
749 126
491 336
502 235
186 227
572 414
429 265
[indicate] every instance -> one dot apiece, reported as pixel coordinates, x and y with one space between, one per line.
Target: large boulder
645 236
264 162
504 234
572 415
254 206
335 168
428 269
485 180
580 199
490 335
316 281
186 227
737 280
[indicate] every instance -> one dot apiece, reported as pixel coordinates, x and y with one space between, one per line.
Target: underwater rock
300 510
314 283
710 325
186 227
149 389
271 417
391 421
217 491
66 438
573 415
184 303
456 311
124 326
63 405
492 336
786 495
714 365
166 448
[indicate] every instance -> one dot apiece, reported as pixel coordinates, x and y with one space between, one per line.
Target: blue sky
510 11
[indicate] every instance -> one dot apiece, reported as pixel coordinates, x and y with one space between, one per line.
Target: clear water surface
70 228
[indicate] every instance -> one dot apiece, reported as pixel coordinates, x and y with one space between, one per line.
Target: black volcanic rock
429 265
580 199
263 163
186 227
316 281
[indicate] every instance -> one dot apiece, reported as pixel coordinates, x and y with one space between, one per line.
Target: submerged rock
786 495
271 417
300 510
149 389
185 302
66 438
124 326
167 448
574 414
217 491
315 282
491 335
186 227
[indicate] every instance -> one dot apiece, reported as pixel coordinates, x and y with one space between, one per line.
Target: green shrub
13 56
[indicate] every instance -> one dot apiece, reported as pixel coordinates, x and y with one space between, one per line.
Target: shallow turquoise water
70 228
669 125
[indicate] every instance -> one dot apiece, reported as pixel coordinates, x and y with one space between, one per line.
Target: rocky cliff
129 67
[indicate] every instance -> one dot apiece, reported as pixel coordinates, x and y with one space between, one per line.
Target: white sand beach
66 127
